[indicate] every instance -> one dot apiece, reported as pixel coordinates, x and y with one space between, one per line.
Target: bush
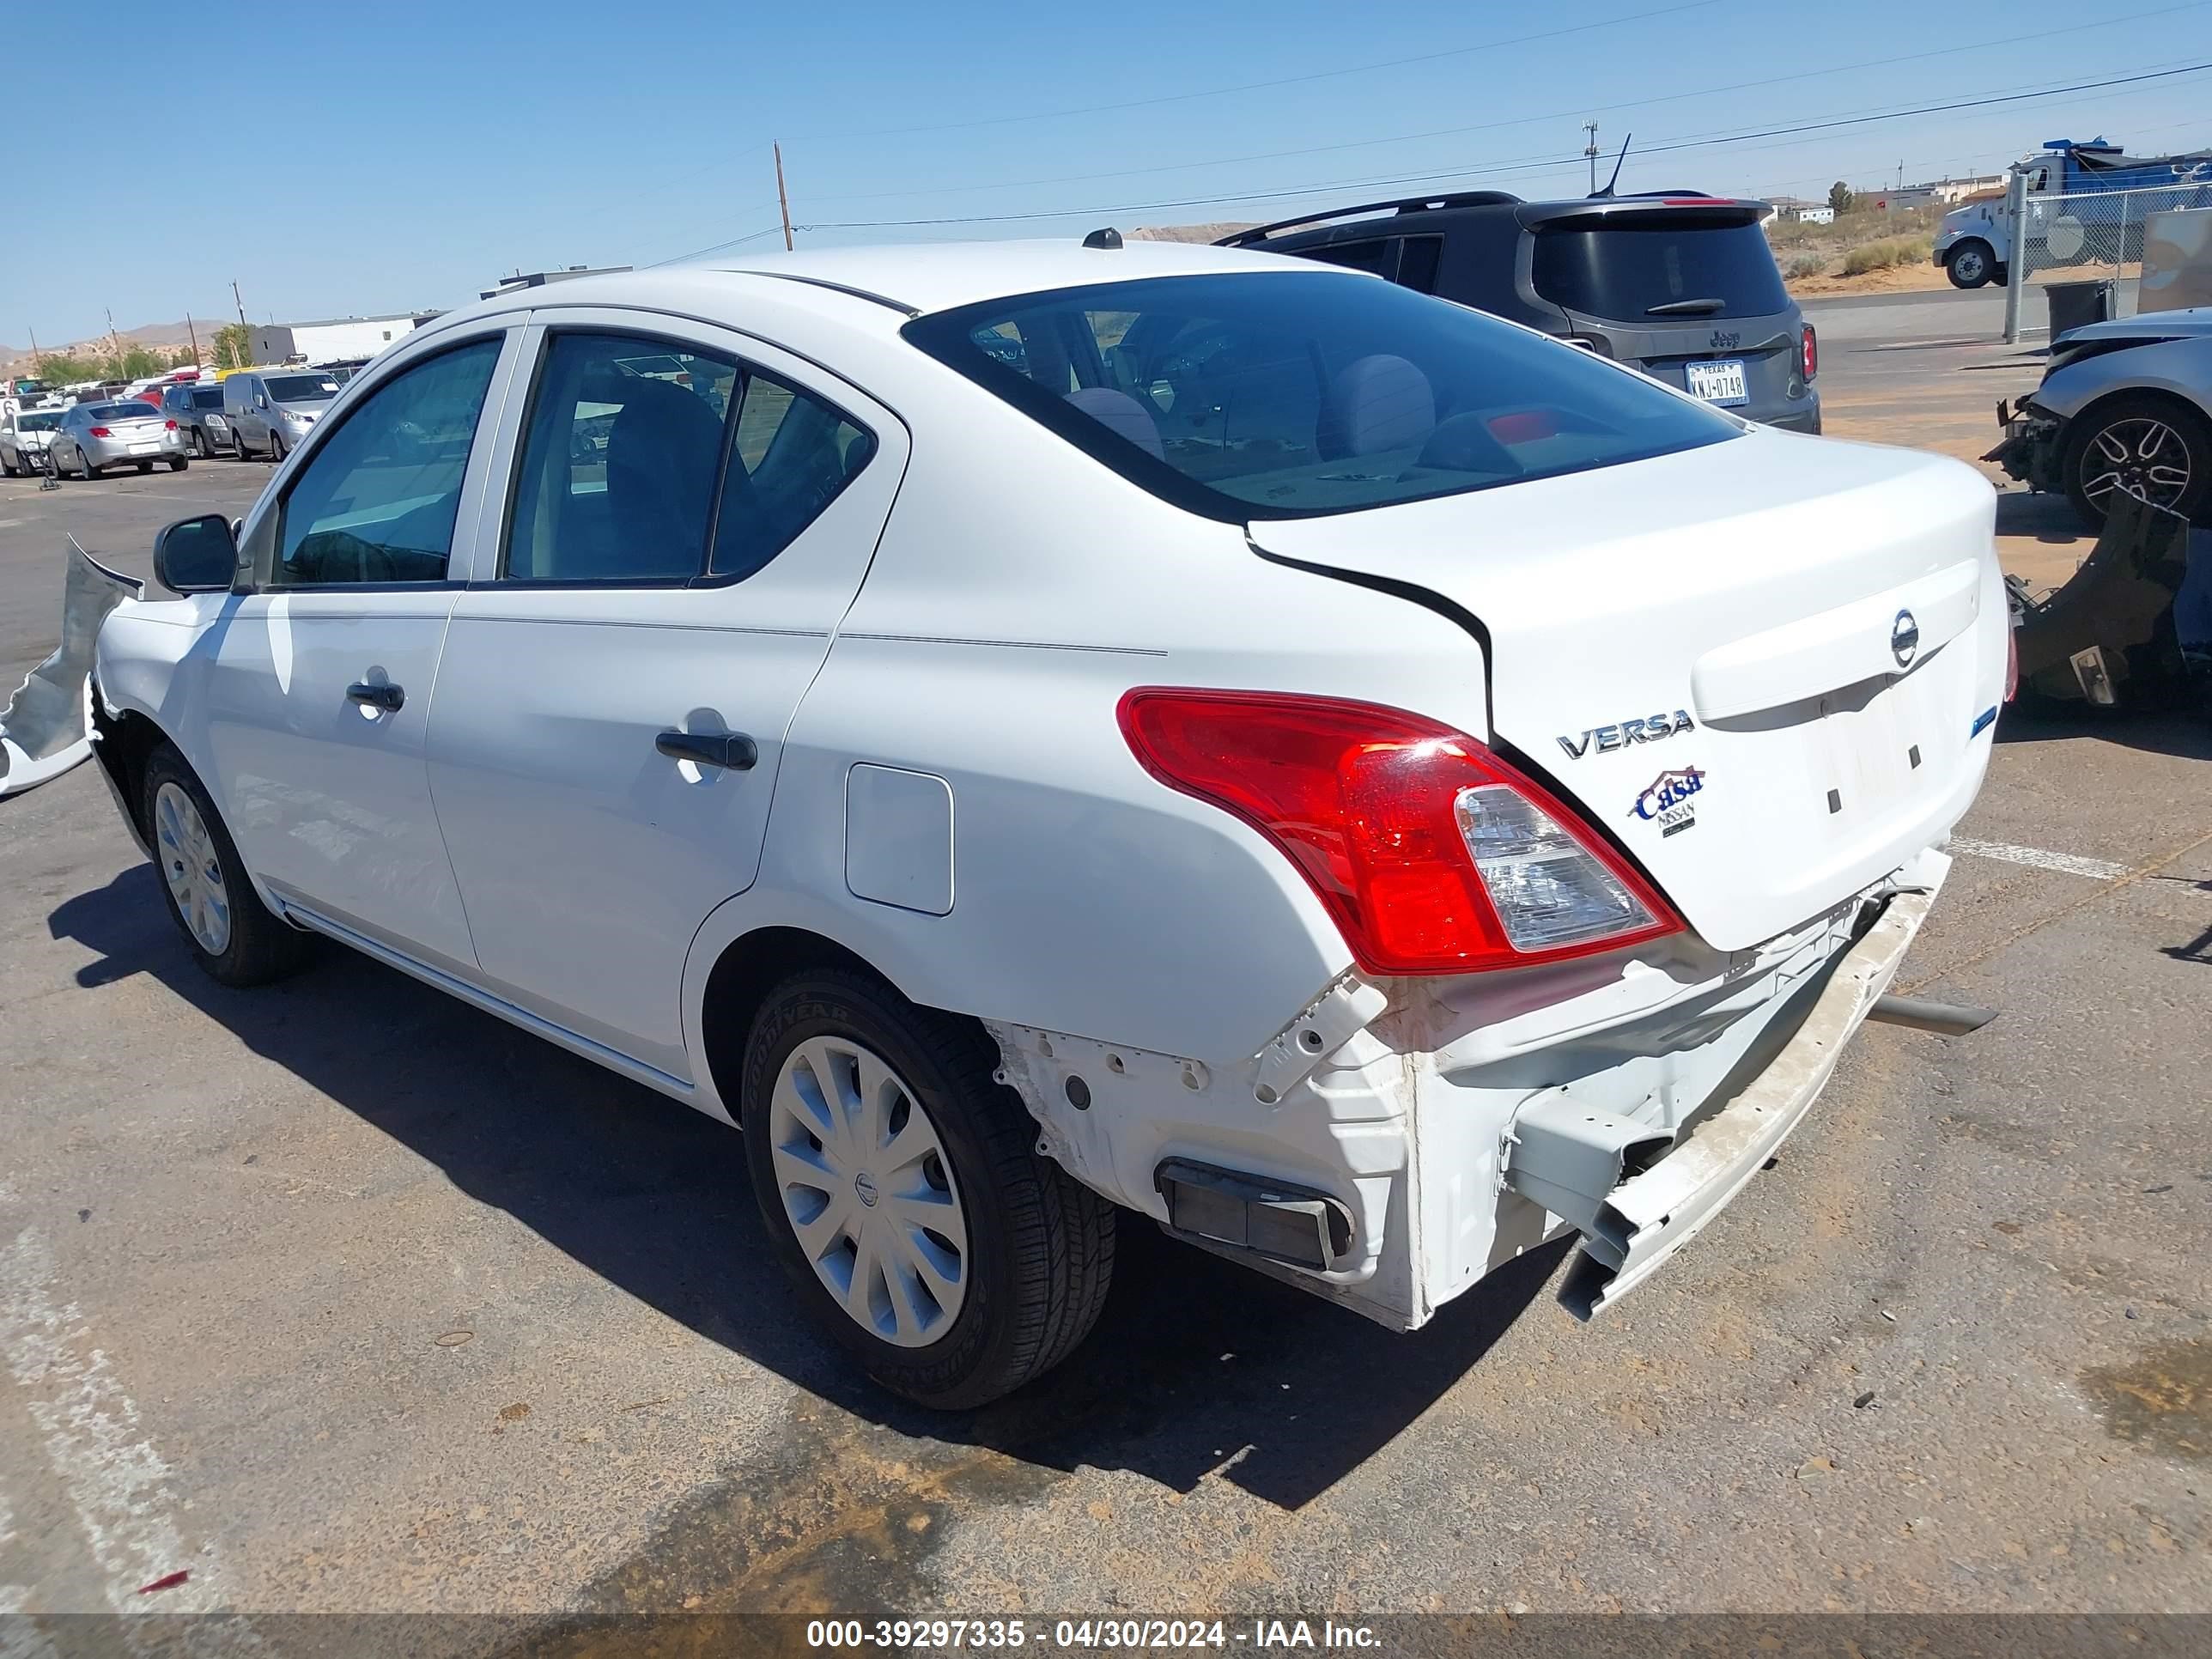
1808 264
1881 255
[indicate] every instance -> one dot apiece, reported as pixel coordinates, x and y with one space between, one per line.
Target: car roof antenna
1109 237
1597 195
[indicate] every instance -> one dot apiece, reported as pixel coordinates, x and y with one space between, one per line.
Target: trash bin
2076 305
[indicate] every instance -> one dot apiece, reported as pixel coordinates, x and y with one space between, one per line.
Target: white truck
1974 244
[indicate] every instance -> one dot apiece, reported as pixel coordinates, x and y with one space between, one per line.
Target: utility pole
782 201
114 343
1589 150
244 346
37 369
195 333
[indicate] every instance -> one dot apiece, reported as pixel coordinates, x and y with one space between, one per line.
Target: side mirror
260 402
196 556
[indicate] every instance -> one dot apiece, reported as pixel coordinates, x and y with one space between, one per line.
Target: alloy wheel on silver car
868 1191
193 869
2142 455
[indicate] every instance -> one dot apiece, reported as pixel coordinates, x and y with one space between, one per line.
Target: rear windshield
1664 265
45 421
130 411
300 388
1285 394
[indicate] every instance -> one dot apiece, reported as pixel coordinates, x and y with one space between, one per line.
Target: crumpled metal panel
46 727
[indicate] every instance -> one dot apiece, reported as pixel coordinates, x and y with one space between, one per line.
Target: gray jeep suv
1678 284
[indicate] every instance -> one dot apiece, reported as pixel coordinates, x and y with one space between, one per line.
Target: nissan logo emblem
1903 639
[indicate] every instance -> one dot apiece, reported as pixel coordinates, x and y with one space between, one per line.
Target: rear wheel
903 1193
144 467
233 936
1971 264
2156 447
84 461
179 463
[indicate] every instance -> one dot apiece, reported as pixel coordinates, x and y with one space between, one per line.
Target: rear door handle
386 697
732 751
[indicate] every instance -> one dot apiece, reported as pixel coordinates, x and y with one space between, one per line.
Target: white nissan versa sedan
1033 728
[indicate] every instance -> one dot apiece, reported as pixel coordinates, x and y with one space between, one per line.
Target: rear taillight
1430 852
1808 350
99 432
170 425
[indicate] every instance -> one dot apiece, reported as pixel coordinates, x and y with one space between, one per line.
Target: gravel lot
343 1297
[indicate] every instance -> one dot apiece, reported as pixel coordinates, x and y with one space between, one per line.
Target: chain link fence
2083 236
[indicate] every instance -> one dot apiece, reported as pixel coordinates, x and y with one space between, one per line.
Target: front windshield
1281 394
302 388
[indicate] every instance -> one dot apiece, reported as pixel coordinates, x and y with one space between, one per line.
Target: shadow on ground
2049 519
2185 733
1196 1363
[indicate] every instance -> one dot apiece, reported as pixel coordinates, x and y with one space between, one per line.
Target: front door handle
733 751
386 697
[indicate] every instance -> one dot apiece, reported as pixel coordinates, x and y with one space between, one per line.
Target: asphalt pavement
341 1295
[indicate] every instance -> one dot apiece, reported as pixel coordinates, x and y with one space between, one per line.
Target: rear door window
1375 256
1654 268
619 461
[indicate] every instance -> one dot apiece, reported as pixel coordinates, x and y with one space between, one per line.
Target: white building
334 340
1802 211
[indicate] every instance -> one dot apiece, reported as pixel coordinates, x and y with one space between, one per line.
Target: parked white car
1037 728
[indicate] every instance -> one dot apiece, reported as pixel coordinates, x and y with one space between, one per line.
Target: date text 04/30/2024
1262 1634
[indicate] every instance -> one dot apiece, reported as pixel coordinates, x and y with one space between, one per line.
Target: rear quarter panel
1019 589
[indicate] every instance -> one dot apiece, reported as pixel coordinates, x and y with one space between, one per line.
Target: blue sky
404 155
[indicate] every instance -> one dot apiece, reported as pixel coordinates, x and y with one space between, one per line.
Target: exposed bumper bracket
1650 1216
1276 1219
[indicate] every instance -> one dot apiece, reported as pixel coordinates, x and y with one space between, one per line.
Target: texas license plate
1718 383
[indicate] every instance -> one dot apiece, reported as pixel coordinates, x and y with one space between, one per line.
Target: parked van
271 411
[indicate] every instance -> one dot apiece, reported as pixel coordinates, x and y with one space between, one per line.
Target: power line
1283 81
1434 174
717 248
1490 127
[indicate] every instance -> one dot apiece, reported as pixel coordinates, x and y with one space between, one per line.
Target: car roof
913 277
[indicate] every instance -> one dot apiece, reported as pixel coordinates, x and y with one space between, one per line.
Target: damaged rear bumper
1652 1214
1401 1138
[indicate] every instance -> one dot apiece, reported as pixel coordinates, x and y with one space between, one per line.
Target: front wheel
235 938
1971 264
199 445
2156 447
903 1193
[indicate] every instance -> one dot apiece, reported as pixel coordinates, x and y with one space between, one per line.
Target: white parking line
2036 859
118 1483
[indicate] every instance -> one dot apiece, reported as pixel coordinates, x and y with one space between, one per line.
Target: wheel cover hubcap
868 1191
191 868
2144 457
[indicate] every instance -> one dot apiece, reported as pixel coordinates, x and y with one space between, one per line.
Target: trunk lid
1760 667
